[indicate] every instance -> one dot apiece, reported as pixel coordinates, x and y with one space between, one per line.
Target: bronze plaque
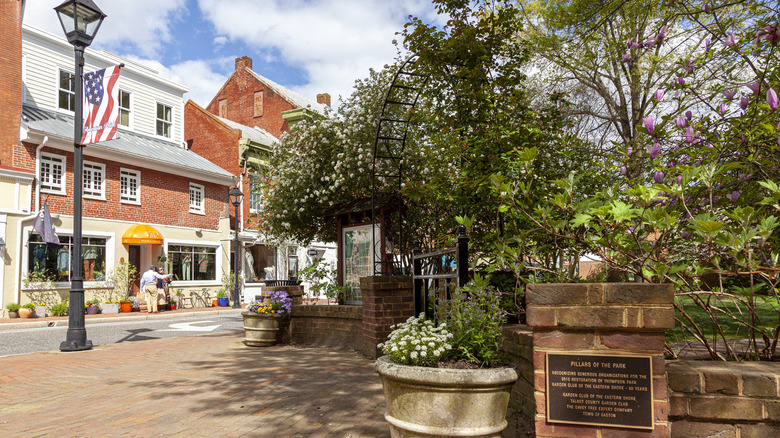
603 390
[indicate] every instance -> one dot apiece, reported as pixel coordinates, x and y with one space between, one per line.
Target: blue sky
310 46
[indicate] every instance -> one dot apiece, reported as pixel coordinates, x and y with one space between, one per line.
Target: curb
64 322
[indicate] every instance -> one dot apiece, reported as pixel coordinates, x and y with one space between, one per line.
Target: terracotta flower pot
126 307
424 401
26 313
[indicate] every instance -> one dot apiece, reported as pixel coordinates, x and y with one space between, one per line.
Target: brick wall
10 77
519 346
239 94
724 399
327 326
386 301
606 319
164 197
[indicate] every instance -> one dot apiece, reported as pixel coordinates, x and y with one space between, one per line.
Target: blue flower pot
222 302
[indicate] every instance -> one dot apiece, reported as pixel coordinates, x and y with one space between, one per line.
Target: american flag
101 107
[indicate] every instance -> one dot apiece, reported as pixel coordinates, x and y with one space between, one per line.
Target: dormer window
66 91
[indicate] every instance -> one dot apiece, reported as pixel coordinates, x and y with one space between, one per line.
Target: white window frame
59 89
93 168
195 191
47 186
168 122
129 109
251 193
130 174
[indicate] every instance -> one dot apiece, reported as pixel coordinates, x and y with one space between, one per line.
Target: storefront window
54 262
190 263
260 263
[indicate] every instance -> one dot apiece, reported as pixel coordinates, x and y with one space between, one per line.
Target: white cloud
334 42
144 24
199 76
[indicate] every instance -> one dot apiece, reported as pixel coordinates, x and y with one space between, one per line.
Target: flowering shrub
475 316
417 342
92 303
127 300
278 302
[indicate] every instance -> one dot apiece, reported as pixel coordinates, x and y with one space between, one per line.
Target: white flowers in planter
417 342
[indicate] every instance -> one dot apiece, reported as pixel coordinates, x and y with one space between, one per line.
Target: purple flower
688 115
743 102
659 94
658 177
689 134
707 44
729 94
733 196
660 37
626 57
769 33
679 180
648 122
630 151
655 150
681 122
730 40
649 43
771 98
755 86
636 45
689 66
722 109
623 170
680 80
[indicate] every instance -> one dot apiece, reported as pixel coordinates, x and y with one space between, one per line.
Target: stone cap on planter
446 376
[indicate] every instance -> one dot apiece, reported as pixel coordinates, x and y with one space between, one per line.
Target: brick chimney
10 77
243 62
324 99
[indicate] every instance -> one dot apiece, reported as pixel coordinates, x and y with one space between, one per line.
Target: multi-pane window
193 262
164 120
66 91
129 186
52 173
255 193
196 199
94 176
124 108
54 263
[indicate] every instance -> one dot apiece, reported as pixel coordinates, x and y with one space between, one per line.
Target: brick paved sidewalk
199 386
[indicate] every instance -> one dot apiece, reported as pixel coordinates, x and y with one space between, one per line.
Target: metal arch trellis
387 168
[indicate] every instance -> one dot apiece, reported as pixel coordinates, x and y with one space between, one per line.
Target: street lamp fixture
236 196
80 20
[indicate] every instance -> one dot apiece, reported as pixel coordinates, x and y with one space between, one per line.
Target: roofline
211 116
108 58
137 160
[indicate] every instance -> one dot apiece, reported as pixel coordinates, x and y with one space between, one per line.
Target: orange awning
145 234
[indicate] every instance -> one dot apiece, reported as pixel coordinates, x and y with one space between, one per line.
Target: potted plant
40 310
13 310
126 304
92 307
222 298
111 306
263 318
469 398
27 310
172 303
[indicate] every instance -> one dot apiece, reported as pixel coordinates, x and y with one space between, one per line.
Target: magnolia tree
701 208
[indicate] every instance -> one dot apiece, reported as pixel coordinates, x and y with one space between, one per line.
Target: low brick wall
328 326
519 346
724 399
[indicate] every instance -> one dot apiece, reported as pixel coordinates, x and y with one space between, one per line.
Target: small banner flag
43 226
101 105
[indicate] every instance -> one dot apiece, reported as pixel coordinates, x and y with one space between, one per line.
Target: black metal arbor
387 168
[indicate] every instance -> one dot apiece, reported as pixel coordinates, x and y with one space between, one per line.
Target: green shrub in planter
60 309
13 307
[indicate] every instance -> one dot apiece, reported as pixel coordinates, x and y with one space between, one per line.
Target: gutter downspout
20 225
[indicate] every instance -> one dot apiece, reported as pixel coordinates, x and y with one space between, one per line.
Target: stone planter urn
111 308
40 311
261 330
424 401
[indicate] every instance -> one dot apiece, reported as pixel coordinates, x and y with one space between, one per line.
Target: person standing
149 286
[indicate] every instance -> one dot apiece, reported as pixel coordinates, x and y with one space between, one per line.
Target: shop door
134 258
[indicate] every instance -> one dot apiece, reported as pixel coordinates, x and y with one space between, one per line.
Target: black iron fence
437 271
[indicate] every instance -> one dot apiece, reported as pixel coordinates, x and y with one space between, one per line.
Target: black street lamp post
236 196
80 20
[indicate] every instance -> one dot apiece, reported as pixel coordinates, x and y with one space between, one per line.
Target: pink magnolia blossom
658 177
623 170
688 67
679 180
707 44
659 94
655 150
769 33
680 80
733 196
707 8
630 151
730 40
771 98
689 135
681 122
649 43
688 115
626 57
729 94
755 86
722 109
661 35
743 102
648 122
